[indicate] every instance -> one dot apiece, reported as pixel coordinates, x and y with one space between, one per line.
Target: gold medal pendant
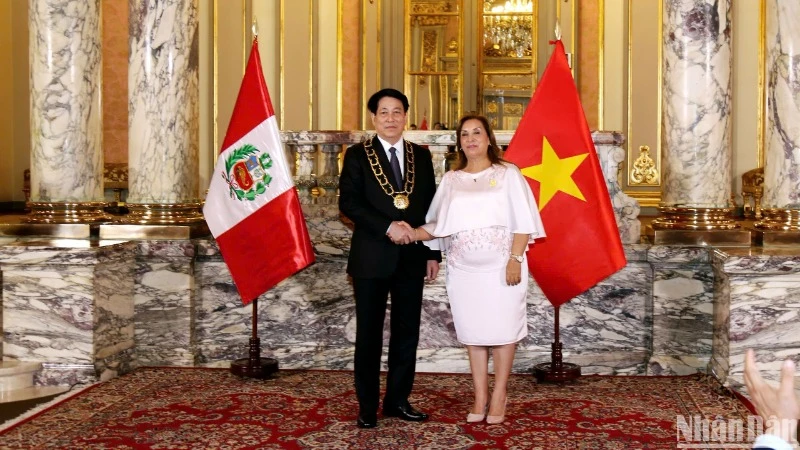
401 201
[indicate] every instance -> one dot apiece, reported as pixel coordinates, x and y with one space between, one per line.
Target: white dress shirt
400 146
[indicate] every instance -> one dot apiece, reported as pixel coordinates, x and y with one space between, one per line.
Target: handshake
401 233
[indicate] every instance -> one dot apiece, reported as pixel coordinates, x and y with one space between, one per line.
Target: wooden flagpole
254 366
556 371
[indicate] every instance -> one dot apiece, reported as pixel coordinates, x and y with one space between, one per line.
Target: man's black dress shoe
405 412
367 420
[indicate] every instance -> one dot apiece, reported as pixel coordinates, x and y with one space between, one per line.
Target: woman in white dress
485 217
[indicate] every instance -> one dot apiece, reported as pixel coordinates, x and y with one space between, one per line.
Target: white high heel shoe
474 418
494 420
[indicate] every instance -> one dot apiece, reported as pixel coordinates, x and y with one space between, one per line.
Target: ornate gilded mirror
507 60
473 55
433 81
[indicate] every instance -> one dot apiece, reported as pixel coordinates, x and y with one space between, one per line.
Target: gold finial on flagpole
558 31
255 28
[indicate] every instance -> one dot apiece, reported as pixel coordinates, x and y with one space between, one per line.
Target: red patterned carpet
173 408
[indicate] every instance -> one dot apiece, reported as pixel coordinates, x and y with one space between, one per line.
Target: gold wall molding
642 178
430 20
9 190
762 73
432 7
646 199
601 62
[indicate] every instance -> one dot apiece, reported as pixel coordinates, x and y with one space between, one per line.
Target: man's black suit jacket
363 201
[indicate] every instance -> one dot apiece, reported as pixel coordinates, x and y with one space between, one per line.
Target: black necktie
398 176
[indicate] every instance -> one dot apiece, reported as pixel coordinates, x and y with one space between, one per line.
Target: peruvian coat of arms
246 172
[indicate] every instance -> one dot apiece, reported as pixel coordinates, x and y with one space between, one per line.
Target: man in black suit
387 180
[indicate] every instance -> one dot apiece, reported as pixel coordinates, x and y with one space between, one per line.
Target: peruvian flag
252 207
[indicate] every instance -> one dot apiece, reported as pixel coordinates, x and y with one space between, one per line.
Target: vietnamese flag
252 207
554 149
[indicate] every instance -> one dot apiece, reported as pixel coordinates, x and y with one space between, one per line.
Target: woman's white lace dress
474 218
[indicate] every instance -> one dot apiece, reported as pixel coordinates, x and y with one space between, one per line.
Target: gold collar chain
401 200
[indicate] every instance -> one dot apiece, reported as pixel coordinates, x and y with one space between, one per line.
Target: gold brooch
492 182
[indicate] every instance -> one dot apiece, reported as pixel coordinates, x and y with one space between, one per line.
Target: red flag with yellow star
553 147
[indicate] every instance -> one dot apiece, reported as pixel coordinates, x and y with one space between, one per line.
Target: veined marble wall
69 305
90 313
164 303
682 305
755 306
308 321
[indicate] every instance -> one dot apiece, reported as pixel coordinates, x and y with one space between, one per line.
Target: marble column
696 151
66 142
163 112
781 202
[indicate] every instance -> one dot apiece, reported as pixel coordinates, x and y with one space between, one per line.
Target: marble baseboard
65 375
448 360
677 364
736 383
768 360
119 363
155 355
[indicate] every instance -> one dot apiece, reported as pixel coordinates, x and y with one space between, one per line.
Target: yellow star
555 174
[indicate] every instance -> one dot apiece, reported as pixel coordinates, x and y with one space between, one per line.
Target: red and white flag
252 207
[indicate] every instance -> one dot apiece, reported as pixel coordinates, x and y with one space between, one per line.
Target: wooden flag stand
255 366
556 371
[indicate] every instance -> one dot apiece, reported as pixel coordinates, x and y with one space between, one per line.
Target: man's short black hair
372 104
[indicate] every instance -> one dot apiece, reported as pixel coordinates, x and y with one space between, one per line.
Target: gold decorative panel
115 81
512 109
644 170
421 9
429 51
